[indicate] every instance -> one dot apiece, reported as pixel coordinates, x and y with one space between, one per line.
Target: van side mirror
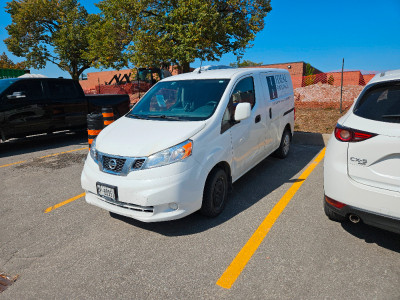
242 111
16 95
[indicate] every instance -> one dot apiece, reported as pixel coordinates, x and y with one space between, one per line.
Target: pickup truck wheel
215 193
284 147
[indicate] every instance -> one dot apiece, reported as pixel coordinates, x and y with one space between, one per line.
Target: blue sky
364 33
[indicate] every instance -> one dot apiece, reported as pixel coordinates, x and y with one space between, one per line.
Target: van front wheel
284 147
215 193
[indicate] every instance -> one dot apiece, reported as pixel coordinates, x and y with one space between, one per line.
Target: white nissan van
187 140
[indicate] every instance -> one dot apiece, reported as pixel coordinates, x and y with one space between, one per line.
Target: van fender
215 156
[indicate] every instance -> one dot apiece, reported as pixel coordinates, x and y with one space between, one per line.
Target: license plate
107 191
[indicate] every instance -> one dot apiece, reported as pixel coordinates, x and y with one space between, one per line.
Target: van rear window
380 102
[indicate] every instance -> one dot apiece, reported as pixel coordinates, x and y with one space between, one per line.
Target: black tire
284 147
215 193
332 215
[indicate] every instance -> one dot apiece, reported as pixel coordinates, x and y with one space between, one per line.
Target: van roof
385 76
222 73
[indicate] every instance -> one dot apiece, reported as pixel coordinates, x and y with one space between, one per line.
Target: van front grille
113 164
119 165
138 164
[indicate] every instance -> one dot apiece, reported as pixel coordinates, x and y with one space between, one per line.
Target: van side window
243 92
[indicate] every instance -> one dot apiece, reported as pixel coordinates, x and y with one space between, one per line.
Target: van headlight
170 155
93 151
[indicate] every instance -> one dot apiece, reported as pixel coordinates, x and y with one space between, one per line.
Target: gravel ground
318 106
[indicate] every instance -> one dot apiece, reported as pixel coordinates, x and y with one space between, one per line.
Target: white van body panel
249 137
131 133
175 190
279 96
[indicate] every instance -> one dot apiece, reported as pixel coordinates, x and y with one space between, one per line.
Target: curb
311 138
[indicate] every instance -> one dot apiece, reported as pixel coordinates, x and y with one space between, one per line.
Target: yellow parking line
230 275
15 163
55 154
63 203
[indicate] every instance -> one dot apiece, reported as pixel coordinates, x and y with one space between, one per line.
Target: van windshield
189 100
381 102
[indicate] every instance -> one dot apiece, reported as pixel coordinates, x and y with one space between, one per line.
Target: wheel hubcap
286 144
219 193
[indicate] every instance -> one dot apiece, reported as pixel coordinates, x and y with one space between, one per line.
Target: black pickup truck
43 105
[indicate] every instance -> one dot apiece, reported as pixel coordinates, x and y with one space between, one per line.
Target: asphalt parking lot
61 247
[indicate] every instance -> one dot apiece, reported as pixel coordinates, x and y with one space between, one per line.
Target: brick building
297 71
298 74
295 68
104 78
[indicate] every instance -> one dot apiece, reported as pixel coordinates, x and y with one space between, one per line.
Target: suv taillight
345 134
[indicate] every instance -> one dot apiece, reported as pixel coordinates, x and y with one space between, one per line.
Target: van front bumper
152 199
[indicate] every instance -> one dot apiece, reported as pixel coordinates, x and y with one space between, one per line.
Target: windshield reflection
181 100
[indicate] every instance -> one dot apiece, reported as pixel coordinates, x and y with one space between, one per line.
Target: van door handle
258 119
270 113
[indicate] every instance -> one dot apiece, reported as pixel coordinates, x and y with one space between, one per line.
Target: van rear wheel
215 193
284 147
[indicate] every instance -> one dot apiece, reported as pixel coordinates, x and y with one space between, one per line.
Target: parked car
40 105
187 140
362 161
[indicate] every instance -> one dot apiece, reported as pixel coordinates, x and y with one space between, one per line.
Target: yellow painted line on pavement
69 151
50 155
51 208
15 163
230 275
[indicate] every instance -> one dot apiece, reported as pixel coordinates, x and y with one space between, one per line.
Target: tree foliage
245 63
179 31
309 70
50 31
7 63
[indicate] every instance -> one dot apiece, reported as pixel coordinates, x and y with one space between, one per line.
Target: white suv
362 161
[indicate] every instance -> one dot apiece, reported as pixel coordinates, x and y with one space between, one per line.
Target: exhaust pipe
354 218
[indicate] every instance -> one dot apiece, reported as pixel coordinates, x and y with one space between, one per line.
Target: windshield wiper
163 117
391 116
137 116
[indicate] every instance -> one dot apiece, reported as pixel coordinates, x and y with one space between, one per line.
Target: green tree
245 64
309 70
179 31
309 78
50 31
7 63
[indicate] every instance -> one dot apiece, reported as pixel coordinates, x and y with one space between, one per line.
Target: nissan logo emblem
112 164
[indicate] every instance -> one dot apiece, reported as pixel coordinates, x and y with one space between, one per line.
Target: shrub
331 80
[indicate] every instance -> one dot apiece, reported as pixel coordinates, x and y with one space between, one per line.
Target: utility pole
341 88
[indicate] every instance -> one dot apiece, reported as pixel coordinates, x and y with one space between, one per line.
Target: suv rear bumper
381 221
